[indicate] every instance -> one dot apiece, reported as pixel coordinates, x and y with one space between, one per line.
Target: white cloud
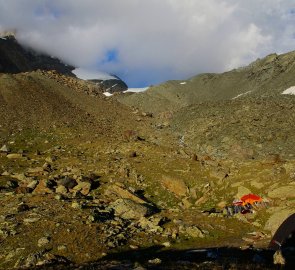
154 40
247 45
92 74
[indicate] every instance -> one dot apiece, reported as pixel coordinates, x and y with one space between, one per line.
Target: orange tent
250 198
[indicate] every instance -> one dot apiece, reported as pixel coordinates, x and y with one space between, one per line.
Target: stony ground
66 200
111 187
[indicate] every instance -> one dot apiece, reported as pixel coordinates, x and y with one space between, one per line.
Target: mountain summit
15 58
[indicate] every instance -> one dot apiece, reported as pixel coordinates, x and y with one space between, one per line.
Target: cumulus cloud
149 41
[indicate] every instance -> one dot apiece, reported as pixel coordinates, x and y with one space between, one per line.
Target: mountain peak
15 58
8 33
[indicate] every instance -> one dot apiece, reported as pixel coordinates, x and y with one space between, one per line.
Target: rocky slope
47 99
242 128
265 77
87 182
242 108
80 197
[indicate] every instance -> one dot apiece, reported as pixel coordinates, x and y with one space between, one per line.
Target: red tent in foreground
251 198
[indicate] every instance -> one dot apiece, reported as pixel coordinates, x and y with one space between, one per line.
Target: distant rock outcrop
112 85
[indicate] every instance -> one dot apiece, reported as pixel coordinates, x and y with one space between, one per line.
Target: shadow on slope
33 100
212 258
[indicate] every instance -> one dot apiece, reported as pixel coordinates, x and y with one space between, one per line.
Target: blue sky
150 41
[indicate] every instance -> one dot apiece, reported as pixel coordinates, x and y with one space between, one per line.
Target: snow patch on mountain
136 90
240 95
107 94
289 91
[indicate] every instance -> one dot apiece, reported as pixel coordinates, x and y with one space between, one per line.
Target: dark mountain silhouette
15 58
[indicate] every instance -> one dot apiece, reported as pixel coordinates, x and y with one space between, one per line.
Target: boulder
83 187
67 182
8 183
61 190
192 232
21 177
185 203
176 186
222 204
47 167
4 149
35 171
23 190
150 224
128 209
33 184
123 193
220 173
42 188
43 241
14 156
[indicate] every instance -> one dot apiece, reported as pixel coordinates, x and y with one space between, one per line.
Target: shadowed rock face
112 85
15 58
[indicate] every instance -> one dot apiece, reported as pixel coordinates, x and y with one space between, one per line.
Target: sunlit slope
265 77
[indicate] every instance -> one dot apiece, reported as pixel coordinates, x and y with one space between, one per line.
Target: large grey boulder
129 209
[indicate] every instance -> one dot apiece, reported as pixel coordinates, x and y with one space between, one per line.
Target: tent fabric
251 198
237 202
282 233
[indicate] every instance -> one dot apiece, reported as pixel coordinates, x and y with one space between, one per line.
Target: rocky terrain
246 128
263 78
87 182
112 85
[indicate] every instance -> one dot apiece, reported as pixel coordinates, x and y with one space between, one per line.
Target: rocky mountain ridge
244 108
43 99
115 85
15 58
265 77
